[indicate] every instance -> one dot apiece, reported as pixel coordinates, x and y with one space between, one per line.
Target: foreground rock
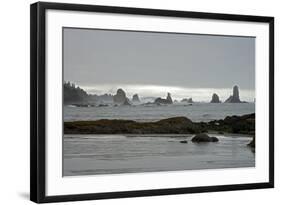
175 125
215 98
244 124
204 138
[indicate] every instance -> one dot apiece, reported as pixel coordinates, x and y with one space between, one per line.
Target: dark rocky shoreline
244 124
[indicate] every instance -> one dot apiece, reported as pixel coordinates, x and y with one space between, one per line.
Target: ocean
196 112
116 154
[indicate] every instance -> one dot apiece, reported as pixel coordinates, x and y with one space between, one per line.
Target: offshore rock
189 100
234 98
120 97
168 100
126 102
215 98
136 98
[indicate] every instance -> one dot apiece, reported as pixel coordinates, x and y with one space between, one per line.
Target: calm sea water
196 112
113 154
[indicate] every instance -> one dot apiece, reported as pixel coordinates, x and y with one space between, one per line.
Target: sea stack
190 100
187 100
136 98
234 98
215 98
168 100
120 98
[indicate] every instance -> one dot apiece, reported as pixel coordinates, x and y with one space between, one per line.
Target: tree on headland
73 93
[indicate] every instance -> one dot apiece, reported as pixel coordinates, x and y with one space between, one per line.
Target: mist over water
177 92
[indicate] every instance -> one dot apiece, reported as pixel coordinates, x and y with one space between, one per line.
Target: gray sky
101 61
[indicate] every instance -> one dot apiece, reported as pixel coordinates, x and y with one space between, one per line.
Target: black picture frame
38 103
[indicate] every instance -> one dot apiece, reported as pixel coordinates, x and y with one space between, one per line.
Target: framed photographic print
129 102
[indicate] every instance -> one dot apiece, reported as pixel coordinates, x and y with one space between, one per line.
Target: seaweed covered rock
202 137
175 121
175 125
244 124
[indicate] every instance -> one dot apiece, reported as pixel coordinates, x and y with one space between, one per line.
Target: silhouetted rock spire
215 98
168 100
234 98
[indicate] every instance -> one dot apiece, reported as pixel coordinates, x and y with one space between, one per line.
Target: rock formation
244 124
160 101
126 102
215 98
135 98
120 98
168 100
189 100
204 138
234 98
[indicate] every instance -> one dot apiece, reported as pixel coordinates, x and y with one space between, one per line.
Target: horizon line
177 92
